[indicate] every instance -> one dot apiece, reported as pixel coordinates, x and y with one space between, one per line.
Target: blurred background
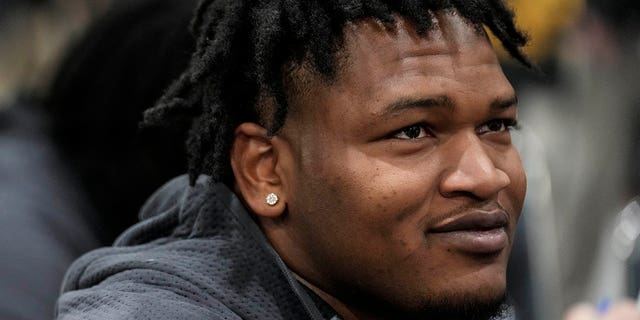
75 76
580 142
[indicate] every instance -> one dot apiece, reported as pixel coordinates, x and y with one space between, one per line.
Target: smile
477 232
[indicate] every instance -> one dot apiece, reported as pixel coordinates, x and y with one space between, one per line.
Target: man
356 161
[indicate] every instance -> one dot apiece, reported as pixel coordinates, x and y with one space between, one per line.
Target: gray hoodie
197 254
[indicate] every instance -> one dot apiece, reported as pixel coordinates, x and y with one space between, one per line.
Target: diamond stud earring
272 199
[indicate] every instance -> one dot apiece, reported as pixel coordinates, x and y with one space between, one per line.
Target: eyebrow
414 103
445 102
502 104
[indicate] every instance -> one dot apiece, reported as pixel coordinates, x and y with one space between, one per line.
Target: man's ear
254 162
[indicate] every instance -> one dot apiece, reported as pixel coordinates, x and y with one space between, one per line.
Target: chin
479 296
468 307
482 299
455 306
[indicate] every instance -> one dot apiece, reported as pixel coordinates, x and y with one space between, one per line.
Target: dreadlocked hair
243 47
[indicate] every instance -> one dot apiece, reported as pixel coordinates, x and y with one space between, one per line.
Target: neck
346 312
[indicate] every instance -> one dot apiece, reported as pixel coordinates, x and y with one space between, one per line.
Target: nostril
462 194
479 184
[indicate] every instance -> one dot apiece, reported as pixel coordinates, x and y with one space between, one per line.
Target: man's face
403 187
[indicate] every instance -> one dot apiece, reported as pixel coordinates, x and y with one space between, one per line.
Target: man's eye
498 125
415 131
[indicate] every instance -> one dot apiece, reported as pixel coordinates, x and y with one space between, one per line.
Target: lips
476 232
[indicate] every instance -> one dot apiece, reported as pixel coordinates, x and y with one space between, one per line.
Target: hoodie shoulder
150 281
197 255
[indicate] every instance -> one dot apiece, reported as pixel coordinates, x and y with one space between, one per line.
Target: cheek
369 209
382 201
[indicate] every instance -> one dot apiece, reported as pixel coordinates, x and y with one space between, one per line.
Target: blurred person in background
119 68
52 150
44 220
580 123
608 41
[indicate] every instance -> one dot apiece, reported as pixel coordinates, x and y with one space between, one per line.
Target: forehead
379 64
452 43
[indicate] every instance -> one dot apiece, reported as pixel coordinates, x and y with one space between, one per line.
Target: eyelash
421 126
507 124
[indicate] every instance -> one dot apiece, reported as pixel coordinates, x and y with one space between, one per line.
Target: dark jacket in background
44 220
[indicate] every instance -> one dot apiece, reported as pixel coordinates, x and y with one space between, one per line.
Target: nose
472 171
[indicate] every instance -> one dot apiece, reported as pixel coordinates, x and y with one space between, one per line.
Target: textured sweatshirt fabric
197 254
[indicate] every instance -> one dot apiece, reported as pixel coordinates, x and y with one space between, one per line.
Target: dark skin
387 175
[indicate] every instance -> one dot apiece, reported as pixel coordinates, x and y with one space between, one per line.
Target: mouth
477 232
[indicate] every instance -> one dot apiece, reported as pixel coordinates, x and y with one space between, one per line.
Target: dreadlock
243 46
